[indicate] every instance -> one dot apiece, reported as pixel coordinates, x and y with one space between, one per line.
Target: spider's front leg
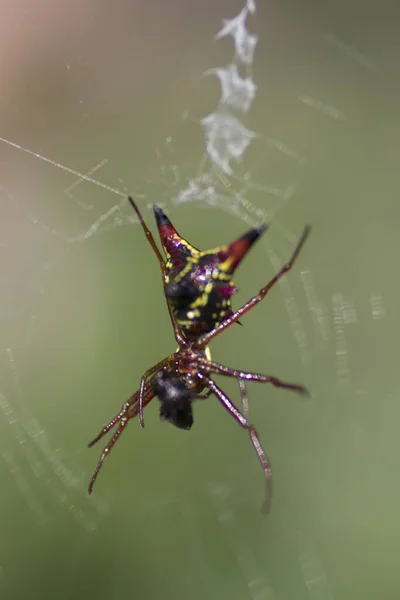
243 422
122 424
145 376
128 411
110 425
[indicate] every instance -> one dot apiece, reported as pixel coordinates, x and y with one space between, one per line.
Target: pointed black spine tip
161 217
261 228
253 234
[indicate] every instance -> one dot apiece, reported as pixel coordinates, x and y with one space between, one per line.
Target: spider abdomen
203 314
198 284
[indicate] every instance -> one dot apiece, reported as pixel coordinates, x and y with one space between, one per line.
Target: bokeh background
117 91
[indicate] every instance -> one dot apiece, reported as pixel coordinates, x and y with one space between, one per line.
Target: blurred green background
176 514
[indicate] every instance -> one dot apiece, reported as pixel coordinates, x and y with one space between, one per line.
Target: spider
183 376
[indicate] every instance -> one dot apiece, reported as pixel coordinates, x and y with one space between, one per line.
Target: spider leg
255 440
149 236
132 400
213 367
107 427
147 374
180 339
107 449
257 447
244 397
128 412
205 339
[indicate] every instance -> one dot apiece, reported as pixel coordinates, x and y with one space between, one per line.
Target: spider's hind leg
206 338
179 337
148 235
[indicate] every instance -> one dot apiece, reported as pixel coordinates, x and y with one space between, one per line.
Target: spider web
60 193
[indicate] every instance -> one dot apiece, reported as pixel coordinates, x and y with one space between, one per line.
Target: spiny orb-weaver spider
183 376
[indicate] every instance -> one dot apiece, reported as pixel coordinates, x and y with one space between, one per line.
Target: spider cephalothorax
184 375
198 284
